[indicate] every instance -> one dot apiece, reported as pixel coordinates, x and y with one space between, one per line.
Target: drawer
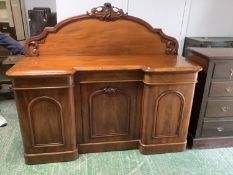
224 89
223 70
217 128
219 108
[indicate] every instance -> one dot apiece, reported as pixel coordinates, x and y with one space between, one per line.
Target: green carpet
190 162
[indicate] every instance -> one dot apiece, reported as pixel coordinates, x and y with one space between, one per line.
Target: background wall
178 18
211 18
68 8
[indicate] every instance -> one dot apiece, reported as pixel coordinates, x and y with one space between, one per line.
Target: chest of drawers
206 42
211 123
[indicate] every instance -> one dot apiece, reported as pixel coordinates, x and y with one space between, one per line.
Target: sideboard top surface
104 39
63 65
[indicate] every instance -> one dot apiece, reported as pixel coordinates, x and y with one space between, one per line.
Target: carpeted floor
190 162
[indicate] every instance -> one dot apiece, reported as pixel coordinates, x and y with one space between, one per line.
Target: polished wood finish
101 82
91 35
67 65
47 122
211 120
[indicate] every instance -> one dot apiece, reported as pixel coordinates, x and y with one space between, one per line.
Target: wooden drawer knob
224 108
231 73
220 129
229 89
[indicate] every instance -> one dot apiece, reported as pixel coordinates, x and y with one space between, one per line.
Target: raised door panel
109 111
46 121
168 113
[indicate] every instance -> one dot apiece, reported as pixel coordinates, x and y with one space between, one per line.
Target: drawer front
219 108
224 89
217 128
223 70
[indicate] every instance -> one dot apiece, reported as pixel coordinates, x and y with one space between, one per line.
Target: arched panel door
168 114
109 111
46 121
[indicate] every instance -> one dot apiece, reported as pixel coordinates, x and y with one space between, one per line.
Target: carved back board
106 30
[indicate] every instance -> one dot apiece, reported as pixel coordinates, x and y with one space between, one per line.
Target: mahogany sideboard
99 82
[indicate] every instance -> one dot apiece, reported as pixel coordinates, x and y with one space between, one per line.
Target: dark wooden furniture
6 62
39 18
100 82
211 123
206 42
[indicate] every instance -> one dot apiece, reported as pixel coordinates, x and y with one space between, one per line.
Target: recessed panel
46 121
109 113
167 114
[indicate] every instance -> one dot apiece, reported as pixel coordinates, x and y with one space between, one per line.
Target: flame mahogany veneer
100 82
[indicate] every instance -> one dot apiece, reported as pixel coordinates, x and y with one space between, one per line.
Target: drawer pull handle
224 108
231 73
220 129
229 89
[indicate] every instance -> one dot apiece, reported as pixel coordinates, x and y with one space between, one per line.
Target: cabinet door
46 120
110 111
166 113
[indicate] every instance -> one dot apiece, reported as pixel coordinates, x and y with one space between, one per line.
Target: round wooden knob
224 108
229 89
220 129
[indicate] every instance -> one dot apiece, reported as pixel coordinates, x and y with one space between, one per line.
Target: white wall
211 18
68 8
165 14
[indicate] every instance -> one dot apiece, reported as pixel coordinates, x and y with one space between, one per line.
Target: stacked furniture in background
39 18
206 42
211 123
13 23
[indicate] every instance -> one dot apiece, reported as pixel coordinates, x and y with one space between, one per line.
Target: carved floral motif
110 90
33 48
171 48
107 12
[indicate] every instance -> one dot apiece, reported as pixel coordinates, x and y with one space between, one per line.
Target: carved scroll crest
33 48
111 90
107 12
171 44
171 48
